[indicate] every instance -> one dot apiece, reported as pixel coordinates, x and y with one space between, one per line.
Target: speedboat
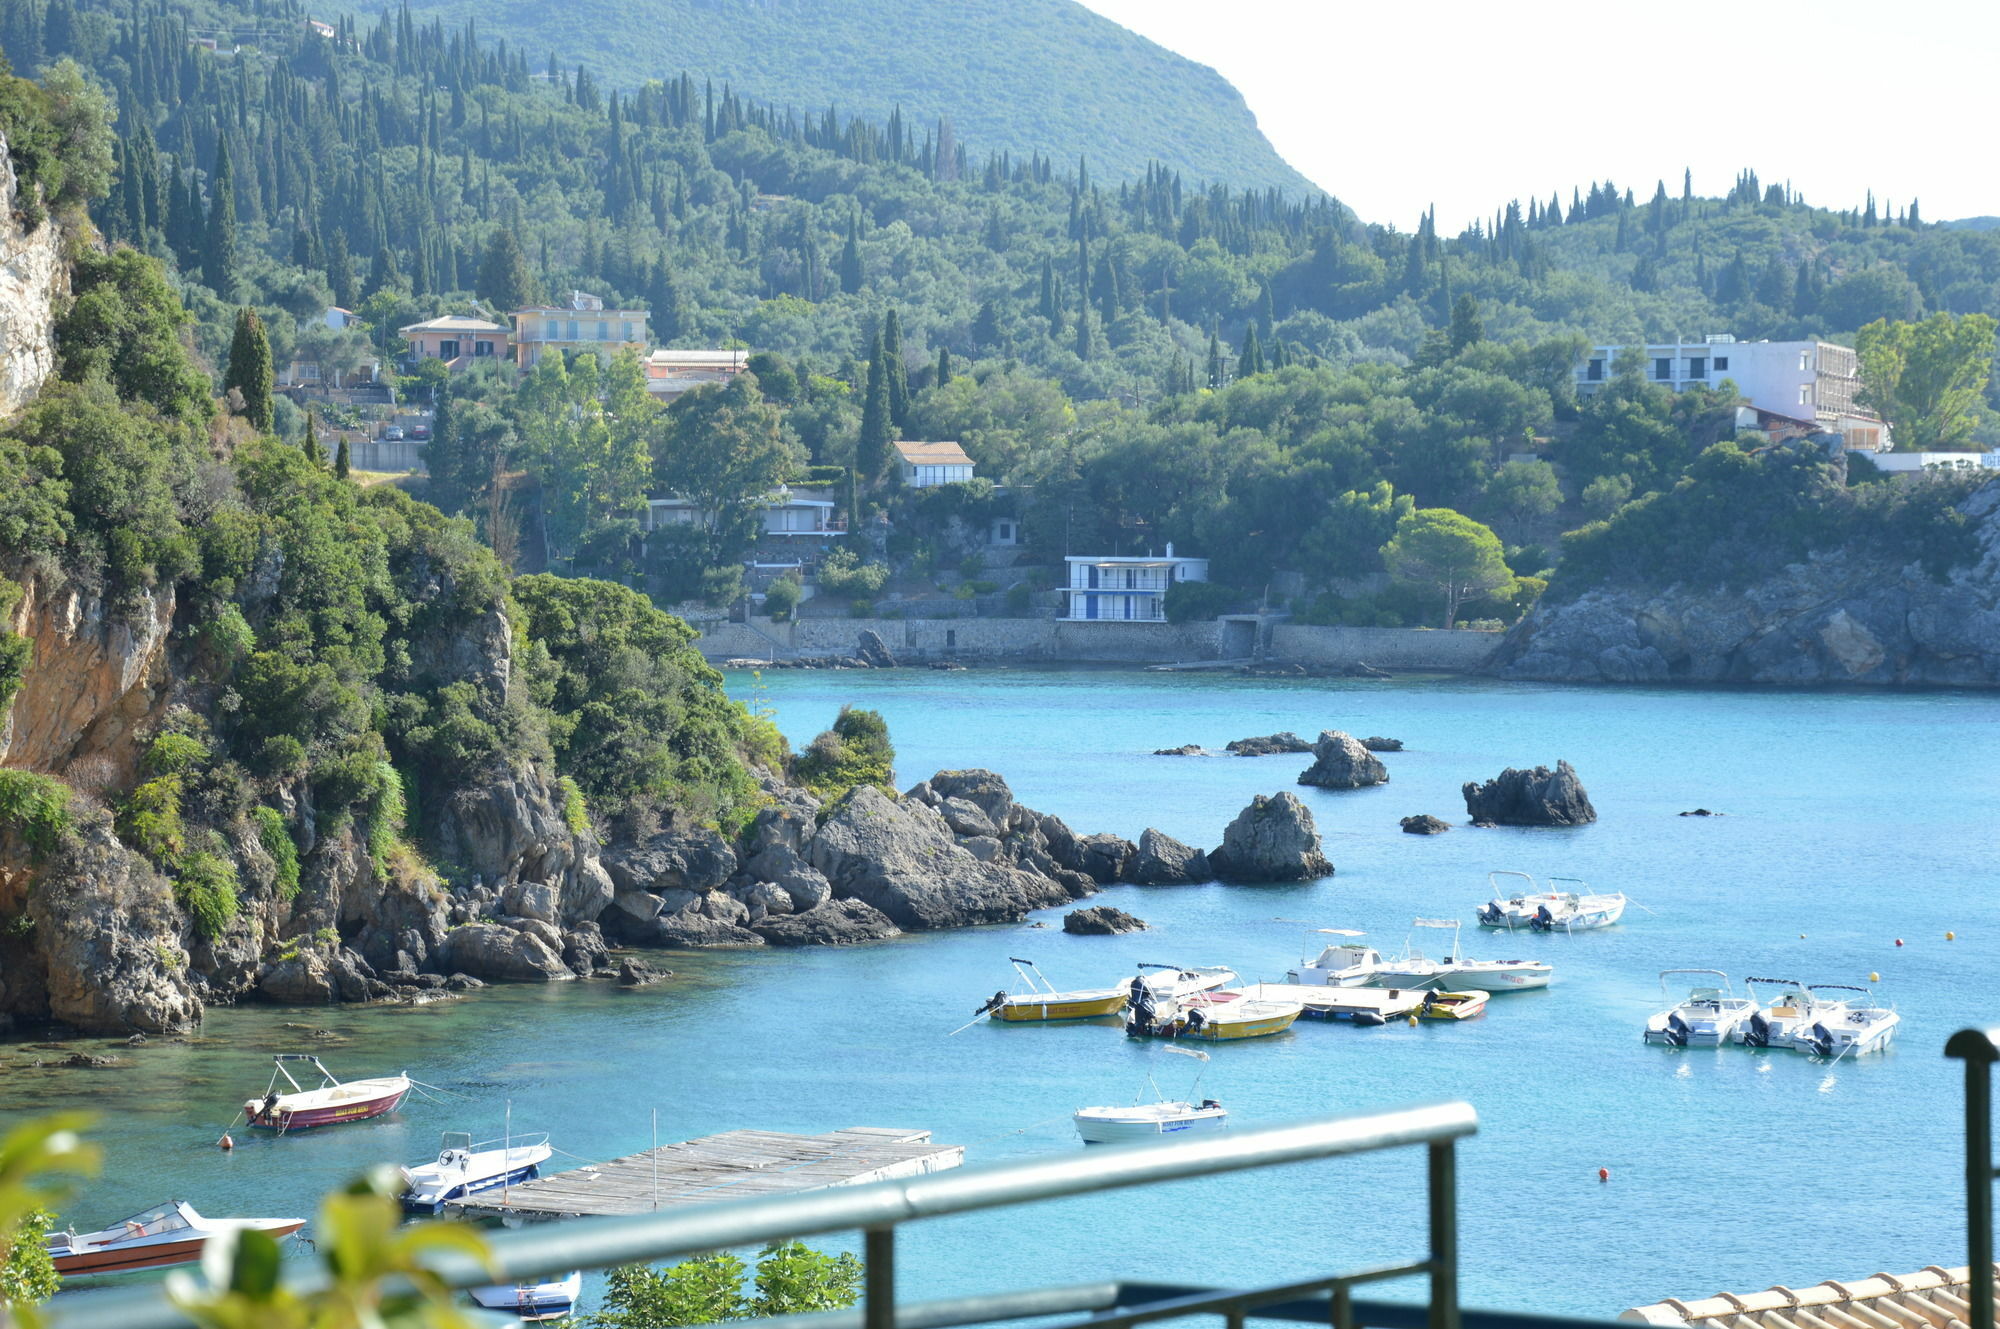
1453 1005
1042 1002
1841 1027
551 1300
1708 1017
1215 1017
1147 1121
1412 970
1169 982
463 1167
1338 964
1772 1024
1552 910
170 1234
326 1103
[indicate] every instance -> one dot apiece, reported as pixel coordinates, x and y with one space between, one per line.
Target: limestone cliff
98 678
32 280
1841 616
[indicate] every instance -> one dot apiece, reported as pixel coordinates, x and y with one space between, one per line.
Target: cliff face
32 279
1841 617
98 680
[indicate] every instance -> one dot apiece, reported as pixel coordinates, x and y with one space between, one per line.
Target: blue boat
463 1168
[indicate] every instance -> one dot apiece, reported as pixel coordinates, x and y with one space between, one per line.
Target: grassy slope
1018 75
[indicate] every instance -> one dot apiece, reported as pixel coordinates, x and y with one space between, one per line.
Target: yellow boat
1453 1005
1041 1002
1216 1017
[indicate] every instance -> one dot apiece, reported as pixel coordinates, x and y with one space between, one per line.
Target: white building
785 514
670 373
1912 463
926 464
1126 588
1813 383
581 324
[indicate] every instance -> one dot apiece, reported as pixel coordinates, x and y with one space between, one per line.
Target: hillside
1019 76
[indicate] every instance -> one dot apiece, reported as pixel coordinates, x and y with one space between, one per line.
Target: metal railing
879 1208
1978 1049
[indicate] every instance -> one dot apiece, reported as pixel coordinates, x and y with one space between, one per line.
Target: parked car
393 434
421 433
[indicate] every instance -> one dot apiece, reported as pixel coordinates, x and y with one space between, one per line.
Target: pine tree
986 326
310 443
505 281
899 381
340 460
1466 325
249 371
218 258
871 446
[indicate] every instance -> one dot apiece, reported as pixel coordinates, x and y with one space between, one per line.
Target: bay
1854 819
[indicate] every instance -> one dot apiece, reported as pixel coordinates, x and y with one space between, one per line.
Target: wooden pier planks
733 1165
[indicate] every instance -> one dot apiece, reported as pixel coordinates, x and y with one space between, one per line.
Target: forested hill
1020 76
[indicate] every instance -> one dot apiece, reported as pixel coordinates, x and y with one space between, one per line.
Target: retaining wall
1451 650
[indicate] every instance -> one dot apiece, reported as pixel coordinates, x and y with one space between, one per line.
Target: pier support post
879 1286
1444 1236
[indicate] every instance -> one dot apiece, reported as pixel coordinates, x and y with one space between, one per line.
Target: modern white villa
785 514
1812 384
1129 588
923 465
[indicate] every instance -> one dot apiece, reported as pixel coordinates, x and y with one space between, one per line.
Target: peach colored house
456 339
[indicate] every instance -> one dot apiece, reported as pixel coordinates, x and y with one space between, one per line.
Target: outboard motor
1543 921
1820 1040
1677 1032
1489 913
1759 1034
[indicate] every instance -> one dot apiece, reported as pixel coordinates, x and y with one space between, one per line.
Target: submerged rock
1375 743
1101 921
1425 824
1538 797
1274 839
1269 745
1184 750
1341 762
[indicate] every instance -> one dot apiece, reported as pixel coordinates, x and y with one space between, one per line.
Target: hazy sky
1468 103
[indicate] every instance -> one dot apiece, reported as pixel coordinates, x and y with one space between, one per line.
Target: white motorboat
1150 1121
1413 970
1840 1027
169 1234
551 1300
1538 910
1773 1023
1708 1016
1338 964
1171 982
463 1167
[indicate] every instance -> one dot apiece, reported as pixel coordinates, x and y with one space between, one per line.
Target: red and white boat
170 1234
327 1103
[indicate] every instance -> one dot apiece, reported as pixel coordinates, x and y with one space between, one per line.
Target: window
1805 361
447 350
628 333
603 331
572 330
1697 367
1721 364
1805 394
480 348
1663 368
1594 371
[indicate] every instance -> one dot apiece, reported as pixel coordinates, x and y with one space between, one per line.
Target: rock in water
835 923
1341 762
636 973
1704 812
1161 860
1184 750
1101 921
1425 824
1540 797
870 647
502 954
1273 839
1269 745
1374 743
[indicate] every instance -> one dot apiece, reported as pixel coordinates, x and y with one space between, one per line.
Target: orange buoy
1874 977
1604 1174
1899 941
226 1142
1951 936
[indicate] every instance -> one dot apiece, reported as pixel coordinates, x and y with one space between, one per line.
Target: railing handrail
875 1207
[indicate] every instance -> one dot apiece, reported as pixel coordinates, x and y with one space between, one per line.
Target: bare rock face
1538 797
1161 860
834 923
1101 921
99 675
900 857
1376 743
1272 840
497 953
1269 745
1425 824
33 277
983 789
1341 762
875 652
697 860
509 828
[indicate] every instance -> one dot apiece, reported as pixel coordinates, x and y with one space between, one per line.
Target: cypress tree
340 271
1267 315
1085 343
943 367
505 280
1214 361
851 274
218 259
1466 325
310 443
1253 353
249 371
899 381
871 447
340 460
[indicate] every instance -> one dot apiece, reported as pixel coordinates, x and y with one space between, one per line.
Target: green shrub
856 751
281 756
843 573
1197 601
35 807
205 886
782 596
576 812
16 654
150 820
1019 597
174 754
276 837
386 811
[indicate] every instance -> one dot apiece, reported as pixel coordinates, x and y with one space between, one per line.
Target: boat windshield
165 1218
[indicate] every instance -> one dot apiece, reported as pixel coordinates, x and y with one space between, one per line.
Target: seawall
1024 640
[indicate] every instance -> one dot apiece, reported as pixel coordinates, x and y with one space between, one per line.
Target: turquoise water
1854 819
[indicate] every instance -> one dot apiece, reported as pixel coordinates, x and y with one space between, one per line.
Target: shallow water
1854 819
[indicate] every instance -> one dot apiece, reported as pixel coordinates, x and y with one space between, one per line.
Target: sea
1857 843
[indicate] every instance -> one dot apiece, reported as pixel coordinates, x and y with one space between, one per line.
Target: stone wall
1453 650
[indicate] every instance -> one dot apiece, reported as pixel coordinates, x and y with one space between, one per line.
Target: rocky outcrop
526 952
1272 840
1101 921
1538 797
1425 824
33 278
835 923
1838 617
873 651
1184 750
98 680
1161 860
1341 762
1269 745
1376 743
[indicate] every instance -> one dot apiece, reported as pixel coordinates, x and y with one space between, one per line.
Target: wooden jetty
1360 1005
731 1166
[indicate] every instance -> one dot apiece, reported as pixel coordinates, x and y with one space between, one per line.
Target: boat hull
1028 1011
1501 980
1103 1130
436 1204
331 1114
98 1261
533 1301
1469 1006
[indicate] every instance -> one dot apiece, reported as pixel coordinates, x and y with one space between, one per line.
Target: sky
1466 104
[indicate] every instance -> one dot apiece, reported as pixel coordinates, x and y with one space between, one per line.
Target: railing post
1444 1237
879 1289
1979 1189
